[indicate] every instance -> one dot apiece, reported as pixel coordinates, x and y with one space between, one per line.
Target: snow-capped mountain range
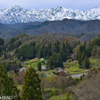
17 14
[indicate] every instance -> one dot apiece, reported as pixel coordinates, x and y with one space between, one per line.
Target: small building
23 69
45 62
42 59
64 74
60 70
43 68
71 54
65 62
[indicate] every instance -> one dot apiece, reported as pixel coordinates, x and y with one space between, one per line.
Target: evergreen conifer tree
80 58
57 46
63 47
39 66
50 63
5 86
41 53
87 62
83 56
54 59
31 87
59 60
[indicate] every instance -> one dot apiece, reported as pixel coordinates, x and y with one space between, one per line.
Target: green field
60 97
33 62
73 68
95 62
19 87
47 72
63 96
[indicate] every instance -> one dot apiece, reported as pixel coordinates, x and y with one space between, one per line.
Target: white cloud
39 4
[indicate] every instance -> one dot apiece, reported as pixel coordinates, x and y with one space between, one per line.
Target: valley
50 54
59 61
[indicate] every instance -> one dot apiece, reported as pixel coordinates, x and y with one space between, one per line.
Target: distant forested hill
83 30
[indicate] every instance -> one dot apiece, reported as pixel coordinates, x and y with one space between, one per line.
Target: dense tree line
87 47
55 61
85 51
26 52
1 41
91 44
13 43
2 47
45 51
83 58
65 51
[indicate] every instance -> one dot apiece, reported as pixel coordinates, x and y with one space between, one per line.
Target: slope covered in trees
57 51
83 30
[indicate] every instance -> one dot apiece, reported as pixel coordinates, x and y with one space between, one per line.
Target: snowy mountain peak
17 14
15 8
60 7
12 9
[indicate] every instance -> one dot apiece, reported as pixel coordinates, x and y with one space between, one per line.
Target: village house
23 69
43 68
45 62
71 55
60 70
41 59
64 74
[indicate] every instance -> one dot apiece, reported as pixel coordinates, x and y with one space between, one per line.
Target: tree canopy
31 87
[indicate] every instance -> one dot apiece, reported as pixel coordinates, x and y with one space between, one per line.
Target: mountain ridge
17 14
65 27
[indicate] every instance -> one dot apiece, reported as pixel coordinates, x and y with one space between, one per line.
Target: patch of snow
17 14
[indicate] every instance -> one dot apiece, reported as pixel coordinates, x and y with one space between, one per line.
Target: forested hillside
46 65
83 30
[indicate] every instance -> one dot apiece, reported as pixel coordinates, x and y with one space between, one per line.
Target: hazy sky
40 4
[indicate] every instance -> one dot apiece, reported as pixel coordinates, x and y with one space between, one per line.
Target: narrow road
77 75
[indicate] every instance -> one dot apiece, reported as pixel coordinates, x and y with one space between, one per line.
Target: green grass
47 72
73 68
59 97
95 62
53 89
34 62
64 96
19 87
53 92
